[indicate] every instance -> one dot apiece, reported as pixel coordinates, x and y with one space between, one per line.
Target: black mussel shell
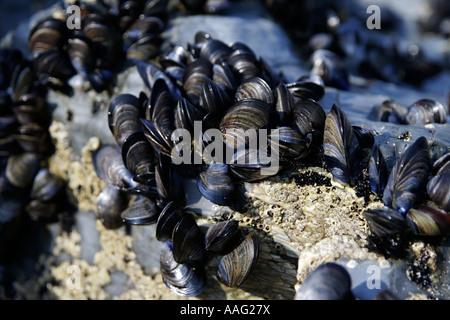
291 144
168 181
235 267
329 281
158 137
123 116
110 203
213 97
429 221
224 78
307 88
253 165
378 171
442 164
169 217
390 231
391 111
215 51
193 78
109 166
254 88
46 185
222 237
139 157
408 178
248 114
243 62
426 111
215 184
183 279
22 168
141 211
341 148
309 117
186 114
284 104
188 241
331 68
438 190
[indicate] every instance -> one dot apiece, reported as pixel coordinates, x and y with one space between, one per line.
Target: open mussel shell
141 211
222 237
123 116
215 184
429 221
109 167
254 88
139 157
438 190
329 281
426 111
235 267
110 203
188 241
408 178
169 217
183 279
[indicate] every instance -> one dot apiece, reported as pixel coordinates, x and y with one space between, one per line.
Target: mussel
185 280
215 184
110 203
141 211
329 281
235 267
222 237
408 178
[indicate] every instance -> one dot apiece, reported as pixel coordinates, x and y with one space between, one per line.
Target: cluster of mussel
423 111
25 141
96 45
413 185
27 188
414 191
223 87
